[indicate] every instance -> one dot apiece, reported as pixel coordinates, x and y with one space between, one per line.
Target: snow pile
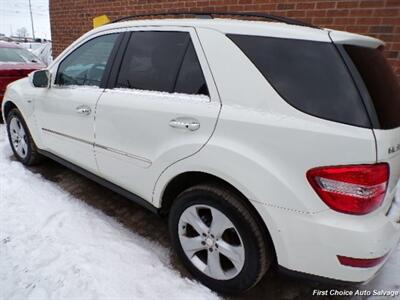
53 246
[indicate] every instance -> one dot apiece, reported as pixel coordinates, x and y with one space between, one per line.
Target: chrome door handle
83 110
185 123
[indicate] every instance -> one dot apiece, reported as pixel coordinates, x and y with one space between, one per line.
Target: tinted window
309 75
152 60
86 65
381 83
191 79
17 55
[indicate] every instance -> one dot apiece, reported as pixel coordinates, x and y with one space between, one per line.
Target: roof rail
209 15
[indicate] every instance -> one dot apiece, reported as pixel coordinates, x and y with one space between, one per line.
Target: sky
14 14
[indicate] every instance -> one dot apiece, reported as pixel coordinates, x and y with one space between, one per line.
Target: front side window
311 76
161 61
86 65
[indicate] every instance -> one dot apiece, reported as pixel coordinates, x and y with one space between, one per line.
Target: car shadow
141 221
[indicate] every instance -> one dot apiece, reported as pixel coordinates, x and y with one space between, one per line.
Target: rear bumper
310 243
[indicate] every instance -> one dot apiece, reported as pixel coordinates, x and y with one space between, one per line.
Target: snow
146 93
81 87
10 62
53 246
165 95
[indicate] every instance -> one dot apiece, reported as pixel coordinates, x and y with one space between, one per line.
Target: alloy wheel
19 138
211 242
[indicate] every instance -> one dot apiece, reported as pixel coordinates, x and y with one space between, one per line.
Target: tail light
353 189
360 262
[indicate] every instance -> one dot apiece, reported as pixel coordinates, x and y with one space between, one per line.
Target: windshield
381 82
17 55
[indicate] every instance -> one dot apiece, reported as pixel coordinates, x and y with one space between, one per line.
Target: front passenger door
65 112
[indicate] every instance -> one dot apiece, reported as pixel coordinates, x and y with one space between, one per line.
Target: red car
15 63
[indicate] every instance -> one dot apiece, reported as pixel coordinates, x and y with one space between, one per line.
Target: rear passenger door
161 105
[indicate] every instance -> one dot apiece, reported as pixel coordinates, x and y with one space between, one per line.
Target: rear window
381 82
309 75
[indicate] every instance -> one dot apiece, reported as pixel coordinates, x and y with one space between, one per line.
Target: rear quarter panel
388 150
262 145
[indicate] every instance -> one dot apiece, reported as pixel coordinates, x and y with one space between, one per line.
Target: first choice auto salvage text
335 292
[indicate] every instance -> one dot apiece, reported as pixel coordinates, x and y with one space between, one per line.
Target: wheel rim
18 137
211 242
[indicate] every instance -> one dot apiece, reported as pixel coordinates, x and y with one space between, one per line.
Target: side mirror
41 79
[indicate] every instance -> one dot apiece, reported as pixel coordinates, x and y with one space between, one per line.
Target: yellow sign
100 21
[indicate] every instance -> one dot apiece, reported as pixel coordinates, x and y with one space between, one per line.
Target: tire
191 220
20 139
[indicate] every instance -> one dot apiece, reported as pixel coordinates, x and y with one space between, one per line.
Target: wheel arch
7 107
27 114
188 179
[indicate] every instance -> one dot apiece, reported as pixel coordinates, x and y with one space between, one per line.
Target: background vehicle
44 52
15 63
30 46
262 142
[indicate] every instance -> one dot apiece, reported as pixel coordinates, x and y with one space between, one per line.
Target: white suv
262 142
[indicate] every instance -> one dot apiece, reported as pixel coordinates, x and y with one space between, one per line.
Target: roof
229 26
8 45
235 26
262 28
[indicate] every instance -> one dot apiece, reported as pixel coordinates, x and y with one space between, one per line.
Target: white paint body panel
56 110
143 131
340 37
389 139
249 136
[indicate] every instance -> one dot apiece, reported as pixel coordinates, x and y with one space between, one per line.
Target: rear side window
152 60
311 76
381 83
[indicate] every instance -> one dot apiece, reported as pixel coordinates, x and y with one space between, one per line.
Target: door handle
83 110
185 123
